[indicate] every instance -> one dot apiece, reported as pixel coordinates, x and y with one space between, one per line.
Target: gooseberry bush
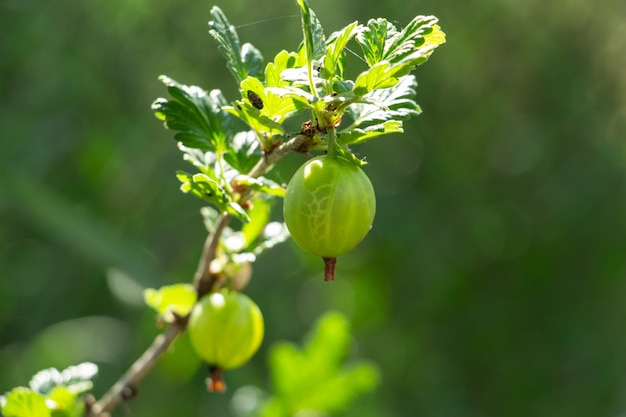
304 101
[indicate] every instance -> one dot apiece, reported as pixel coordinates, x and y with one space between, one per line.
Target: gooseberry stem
332 142
329 268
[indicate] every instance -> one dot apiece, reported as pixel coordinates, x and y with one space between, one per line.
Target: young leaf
356 136
381 41
241 61
261 185
333 65
265 128
394 103
244 151
22 402
315 377
270 105
195 115
171 299
208 188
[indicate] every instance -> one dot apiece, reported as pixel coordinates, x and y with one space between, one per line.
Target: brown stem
329 268
204 282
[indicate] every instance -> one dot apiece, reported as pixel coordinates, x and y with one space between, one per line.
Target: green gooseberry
225 329
329 207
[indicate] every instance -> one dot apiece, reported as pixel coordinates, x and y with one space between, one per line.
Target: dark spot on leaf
255 99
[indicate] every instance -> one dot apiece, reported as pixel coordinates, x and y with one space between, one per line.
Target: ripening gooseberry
329 207
225 329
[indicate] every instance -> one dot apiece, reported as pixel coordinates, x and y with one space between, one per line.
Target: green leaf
381 41
244 151
265 128
195 115
380 75
241 61
259 216
272 106
333 60
356 136
261 185
314 41
282 61
22 402
394 103
171 299
65 403
315 377
76 378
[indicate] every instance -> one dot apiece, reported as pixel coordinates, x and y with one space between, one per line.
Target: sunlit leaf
22 402
195 115
315 377
244 151
241 61
389 104
171 299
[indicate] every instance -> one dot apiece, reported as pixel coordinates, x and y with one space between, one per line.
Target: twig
203 281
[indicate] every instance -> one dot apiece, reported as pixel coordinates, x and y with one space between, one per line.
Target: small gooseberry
225 329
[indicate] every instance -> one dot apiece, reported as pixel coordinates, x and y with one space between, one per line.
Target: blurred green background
492 285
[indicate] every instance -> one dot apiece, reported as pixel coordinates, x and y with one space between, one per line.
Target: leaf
196 115
273 234
282 61
171 299
394 103
315 377
381 41
259 216
208 188
241 61
356 136
262 185
65 403
265 127
380 75
244 151
333 62
22 402
76 378
271 105
314 41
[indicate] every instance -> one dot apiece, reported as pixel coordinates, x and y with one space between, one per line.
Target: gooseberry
329 207
225 329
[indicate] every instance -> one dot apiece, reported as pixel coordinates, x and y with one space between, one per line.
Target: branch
125 388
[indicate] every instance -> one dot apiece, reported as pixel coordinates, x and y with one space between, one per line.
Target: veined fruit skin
329 206
226 329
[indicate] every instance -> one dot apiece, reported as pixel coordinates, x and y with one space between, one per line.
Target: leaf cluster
51 393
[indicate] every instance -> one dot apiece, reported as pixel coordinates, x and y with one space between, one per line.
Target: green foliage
311 78
315 377
51 393
171 300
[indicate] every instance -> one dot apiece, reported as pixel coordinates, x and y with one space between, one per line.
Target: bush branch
204 282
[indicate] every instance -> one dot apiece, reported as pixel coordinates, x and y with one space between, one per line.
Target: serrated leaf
241 61
275 107
382 41
394 103
380 75
333 60
314 41
356 136
244 151
195 115
171 299
315 377
282 61
23 402
265 127
65 403
261 185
